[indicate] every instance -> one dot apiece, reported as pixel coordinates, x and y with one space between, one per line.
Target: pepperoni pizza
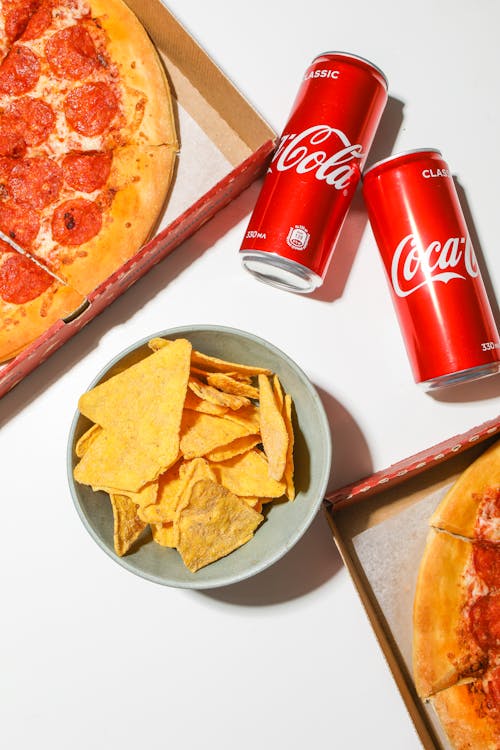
456 645
87 151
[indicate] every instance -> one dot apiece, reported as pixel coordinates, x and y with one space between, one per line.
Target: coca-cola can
314 172
438 293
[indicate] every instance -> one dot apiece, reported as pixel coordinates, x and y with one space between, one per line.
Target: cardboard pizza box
380 526
224 146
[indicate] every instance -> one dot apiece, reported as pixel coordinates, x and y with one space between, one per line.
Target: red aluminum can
443 309
314 172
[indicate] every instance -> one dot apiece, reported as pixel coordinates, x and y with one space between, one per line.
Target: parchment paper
390 555
200 165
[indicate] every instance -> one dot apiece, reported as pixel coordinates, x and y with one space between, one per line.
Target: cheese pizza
456 639
87 153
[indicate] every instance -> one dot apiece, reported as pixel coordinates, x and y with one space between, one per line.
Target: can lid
394 157
355 57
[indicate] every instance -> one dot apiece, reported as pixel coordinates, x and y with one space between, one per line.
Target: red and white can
314 172
440 299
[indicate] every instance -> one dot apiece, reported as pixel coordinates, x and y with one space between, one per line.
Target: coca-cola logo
414 266
334 163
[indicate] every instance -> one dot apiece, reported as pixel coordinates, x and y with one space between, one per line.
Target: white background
94 657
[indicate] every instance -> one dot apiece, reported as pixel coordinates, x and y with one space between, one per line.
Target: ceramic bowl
285 522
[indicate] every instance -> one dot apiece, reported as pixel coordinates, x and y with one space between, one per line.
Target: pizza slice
445 647
471 507
456 638
87 153
470 712
30 301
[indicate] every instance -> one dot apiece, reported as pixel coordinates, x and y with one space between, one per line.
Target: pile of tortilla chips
190 445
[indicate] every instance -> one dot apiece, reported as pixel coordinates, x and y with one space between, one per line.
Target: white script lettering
300 152
453 259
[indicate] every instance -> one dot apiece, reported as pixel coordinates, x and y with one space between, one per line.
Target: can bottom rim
461 377
280 272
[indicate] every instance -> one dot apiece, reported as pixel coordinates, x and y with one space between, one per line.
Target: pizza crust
138 186
458 511
466 718
20 325
443 652
146 91
456 575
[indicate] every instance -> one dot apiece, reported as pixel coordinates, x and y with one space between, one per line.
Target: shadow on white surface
351 457
314 560
122 309
478 390
357 219
476 244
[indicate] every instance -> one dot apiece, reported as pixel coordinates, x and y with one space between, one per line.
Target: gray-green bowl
285 522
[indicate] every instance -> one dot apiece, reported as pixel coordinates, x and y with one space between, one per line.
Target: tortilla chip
273 430
289 466
228 384
162 508
247 416
278 392
164 534
202 433
248 475
240 445
240 376
191 472
213 395
141 499
214 523
86 439
220 365
158 343
141 410
206 362
252 501
110 462
195 403
172 486
123 396
127 524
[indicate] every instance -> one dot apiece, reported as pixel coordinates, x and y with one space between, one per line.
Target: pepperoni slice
33 119
71 53
35 182
11 141
87 171
17 18
39 22
76 221
493 689
19 222
19 72
7 164
90 108
485 621
487 564
488 517
21 280
15 23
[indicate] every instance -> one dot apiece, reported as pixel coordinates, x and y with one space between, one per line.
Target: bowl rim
228 579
